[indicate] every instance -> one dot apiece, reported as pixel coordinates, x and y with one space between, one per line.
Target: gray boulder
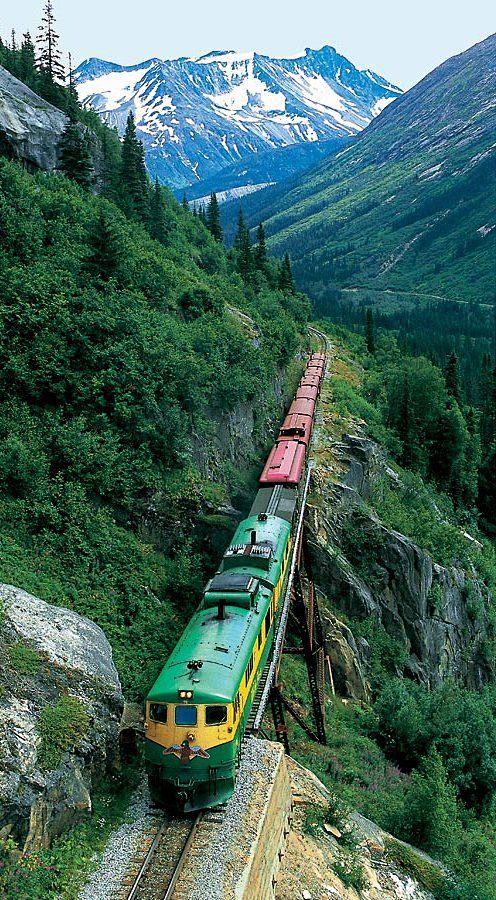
30 128
60 708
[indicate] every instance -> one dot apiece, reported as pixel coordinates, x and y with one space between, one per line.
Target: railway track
161 868
269 675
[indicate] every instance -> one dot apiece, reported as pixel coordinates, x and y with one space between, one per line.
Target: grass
60 728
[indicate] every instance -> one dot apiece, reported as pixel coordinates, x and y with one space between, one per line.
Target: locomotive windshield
215 715
185 715
158 712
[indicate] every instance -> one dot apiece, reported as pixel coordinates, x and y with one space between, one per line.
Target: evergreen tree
201 214
261 249
73 100
472 458
405 432
242 246
240 231
369 331
213 218
452 376
27 59
158 225
49 56
185 202
74 156
286 282
134 180
105 246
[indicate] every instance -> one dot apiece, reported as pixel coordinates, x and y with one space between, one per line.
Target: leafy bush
24 659
60 728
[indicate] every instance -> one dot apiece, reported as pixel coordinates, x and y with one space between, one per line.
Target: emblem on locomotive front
186 753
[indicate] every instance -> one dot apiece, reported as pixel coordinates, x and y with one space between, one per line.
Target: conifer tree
240 231
452 376
73 105
27 60
74 156
242 246
49 55
134 180
106 250
405 424
286 282
261 249
158 226
369 331
213 218
185 202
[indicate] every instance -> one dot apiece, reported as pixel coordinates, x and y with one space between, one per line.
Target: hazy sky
400 40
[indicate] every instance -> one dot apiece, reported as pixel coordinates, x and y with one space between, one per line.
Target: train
197 711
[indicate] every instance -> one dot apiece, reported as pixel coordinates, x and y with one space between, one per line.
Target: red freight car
302 406
309 392
296 426
285 463
310 379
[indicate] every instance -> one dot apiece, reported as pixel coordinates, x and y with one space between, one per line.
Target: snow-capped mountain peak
197 116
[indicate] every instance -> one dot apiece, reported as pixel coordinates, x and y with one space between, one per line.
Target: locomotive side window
185 715
215 715
158 712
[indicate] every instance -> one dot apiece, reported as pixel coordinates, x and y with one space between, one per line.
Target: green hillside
409 207
118 358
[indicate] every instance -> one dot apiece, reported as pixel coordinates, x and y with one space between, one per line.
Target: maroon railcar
287 458
308 392
310 379
296 426
285 463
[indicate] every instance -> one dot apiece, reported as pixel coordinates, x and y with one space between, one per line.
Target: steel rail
162 831
283 620
182 859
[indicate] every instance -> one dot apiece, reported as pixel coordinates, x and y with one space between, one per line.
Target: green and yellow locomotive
197 710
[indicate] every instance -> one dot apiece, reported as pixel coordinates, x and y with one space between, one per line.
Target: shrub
60 728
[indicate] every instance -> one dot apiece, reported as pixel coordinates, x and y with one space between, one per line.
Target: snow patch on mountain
198 116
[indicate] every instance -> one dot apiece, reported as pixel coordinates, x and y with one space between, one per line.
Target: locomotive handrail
281 629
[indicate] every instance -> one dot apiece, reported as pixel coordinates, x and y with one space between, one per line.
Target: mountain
198 116
409 206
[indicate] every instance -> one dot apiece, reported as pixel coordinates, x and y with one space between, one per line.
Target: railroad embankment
238 856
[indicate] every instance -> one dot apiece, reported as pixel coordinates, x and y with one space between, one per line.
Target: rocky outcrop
348 657
350 859
30 128
385 576
60 708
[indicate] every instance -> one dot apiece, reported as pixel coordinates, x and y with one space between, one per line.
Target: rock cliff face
419 603
30 128
60 708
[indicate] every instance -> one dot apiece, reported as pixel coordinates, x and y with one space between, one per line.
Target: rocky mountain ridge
198 116
408 205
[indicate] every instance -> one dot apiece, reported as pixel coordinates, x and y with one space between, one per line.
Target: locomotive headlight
185 695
